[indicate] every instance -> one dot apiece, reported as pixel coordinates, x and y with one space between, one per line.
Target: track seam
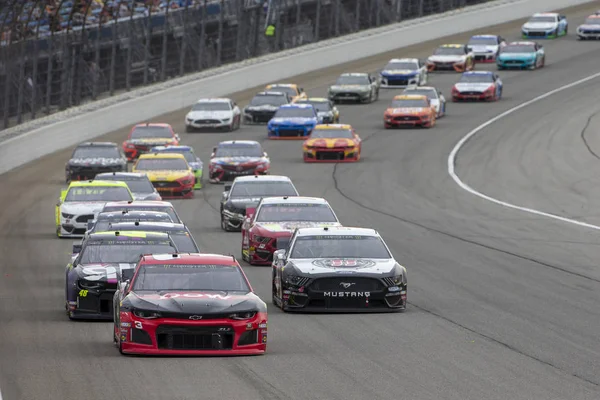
587 125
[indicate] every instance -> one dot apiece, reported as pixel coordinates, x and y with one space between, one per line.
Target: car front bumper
174 189
326 155
349 96
289 132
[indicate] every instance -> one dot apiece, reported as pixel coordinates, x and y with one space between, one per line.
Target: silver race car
354 87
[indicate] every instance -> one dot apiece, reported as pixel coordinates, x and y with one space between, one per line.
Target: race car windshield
322 106
239 151
431 94
353 80
592 21
338 246
401 66
518 49
268 100
295 212
263 189
98 193
284 89
96 152
161 164
449 51
295 113
483 41
122 251
172 277
211 106
136 185
151 132
188 154
409 104
331 134
477 78
164 209
542 19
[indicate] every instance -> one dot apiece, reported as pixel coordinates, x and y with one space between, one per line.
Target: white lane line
453 156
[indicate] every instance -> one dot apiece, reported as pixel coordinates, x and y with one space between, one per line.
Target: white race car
402 72
590 28
435 96
219 113
545 26
486 47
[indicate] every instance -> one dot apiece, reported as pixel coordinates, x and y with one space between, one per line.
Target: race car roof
397 60
294 105
139 203
546 14
97 144
478 73
161 124
594 16
263 178
522 43
337 231
294 200
355 74
248 142
410 97
289 85
120 175
484 36
146 226
169 148
116 215
333 126
189 259
97 184
313 99
453 45
162 156
410 88
270 93
214 100
131 234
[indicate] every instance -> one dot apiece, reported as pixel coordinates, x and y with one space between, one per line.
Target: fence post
398 10
183 40
257 26
129 51
241 27
113 56
147 41
202 36
421 8
34 74
220 34
377 12
298 12
357 15
318 21
163 56
336 22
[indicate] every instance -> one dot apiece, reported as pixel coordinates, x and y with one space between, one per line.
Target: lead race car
545 26
217 113
97 264
337 269
189 304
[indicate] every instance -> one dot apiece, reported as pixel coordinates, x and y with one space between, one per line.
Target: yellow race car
327 112
291 89
332 143
170 174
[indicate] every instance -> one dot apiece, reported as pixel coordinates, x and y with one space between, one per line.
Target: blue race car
192 159
293 121
521 55
545 26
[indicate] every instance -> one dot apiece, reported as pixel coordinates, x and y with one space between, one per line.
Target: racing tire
543 62
231 127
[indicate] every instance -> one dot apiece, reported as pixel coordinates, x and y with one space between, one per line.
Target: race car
81 201
170 174
92 158
128 206
291 89
337 269
263 106
435 96
545 26
521 55
145 136
179 233
189 304
234 158
190 156
217 113
105 219
410 110
451 57
246 191
485 48
275 218
332 143
139 184
92 274
402 72
293 122
327 112
478 85
354 87
590 29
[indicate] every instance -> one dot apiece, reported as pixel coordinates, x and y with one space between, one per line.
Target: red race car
143 137
275 218
188 304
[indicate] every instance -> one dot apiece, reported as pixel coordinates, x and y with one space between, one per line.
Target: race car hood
151 141
95 161
484 49
103 272
349 265
209 115
330 142
406 111
264 107
79 208
292 121
472 87
447 58
200 303
343 88
399 72
540 25
238 160
516 56
288 227
590 27
166 175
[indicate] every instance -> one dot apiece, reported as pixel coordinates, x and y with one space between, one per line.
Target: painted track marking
454 153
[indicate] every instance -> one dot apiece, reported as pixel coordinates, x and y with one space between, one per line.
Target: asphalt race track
503 304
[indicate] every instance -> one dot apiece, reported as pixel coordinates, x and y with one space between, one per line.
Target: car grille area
172 337
346 285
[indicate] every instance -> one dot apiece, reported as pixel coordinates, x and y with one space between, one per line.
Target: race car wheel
543 62
224 225
189 129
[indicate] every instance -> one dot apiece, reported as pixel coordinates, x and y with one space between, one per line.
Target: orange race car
332 143
412 110
296 93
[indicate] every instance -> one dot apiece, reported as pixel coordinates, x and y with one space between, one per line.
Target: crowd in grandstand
28 18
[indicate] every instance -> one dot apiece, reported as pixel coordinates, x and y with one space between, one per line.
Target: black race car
263 106
92 158
248 190
337 269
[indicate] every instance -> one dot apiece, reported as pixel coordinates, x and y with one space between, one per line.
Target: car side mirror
90 225
227 188
265 154
250 212
280 255
127 274
224 195
77 247
177 136
124 285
